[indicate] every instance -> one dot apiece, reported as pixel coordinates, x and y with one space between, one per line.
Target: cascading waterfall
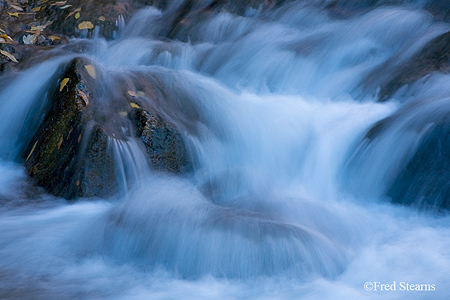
293 160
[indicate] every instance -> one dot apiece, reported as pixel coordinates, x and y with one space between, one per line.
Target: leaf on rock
54 37
31 152
85 25
9 55
60 142
38 28
16 7
73 12
134 105
63 83
90 69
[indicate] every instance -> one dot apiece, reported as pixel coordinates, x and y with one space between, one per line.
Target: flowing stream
272 107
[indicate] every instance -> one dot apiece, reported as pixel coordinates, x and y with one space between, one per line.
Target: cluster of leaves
42 24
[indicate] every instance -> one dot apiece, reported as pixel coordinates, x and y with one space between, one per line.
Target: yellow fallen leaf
134 105
16 7
63 83
73 12
13 14
38 28
132 94
123 113
54 37
31 152
102 18
90 69
36 9
85 25
9 55
77 16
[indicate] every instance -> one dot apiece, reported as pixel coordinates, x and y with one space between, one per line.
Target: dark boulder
68 156
434 57
439 8
410 151
72 155
164 145
425 180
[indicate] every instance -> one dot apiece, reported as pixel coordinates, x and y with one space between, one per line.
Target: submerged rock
434 57
409 152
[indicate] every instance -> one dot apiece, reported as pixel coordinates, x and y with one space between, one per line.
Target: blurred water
272 109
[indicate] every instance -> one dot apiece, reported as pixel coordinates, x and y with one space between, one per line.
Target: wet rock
72 153
439 8
425 180
410 150
164 145
68 156
434 57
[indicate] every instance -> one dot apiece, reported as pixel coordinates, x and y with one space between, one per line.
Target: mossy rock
69 156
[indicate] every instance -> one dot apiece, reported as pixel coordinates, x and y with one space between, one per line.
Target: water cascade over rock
224 149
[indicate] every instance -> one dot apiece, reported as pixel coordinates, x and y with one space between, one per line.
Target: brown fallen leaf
132 94
9 55
63 84
102 18
60 142
59 3
85 25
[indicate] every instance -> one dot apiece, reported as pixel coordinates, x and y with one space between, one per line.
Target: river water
272 107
